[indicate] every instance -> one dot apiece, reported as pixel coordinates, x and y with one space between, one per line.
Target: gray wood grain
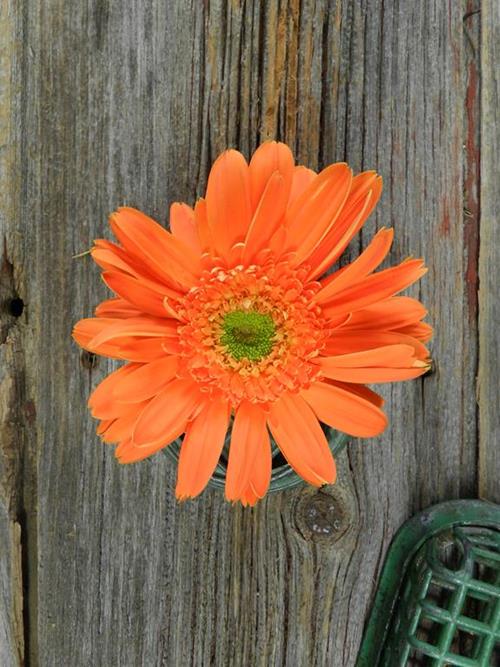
112 103
489 257
12 376
11 597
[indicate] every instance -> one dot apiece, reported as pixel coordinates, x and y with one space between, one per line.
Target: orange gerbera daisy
227 317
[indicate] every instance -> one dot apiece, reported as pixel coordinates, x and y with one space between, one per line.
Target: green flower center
248 334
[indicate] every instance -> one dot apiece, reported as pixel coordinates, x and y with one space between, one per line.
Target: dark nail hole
88 360
15 307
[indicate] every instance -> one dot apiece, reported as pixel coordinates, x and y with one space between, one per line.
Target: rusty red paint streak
30 411
445 222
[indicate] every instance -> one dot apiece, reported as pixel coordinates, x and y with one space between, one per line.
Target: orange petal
234 256
204 233
107 256
345 342
249 497
382 364
365 192
85 330
108 329
129 348
136 277
420 330
375 287
302 178
260 475
116 307
301 439
140 349
135 293
146 380
122 427
101 402
228 201
103 425
127 452
167 414
269 158
267 217
344 410
278 241
315 211
202 447
111 256
249 453
338 238
392 356
183 226
367 181
172 309
376 375
359 390
389 314
107 424
367 262
161 252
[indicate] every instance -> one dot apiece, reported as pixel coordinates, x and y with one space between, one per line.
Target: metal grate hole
488 574
478 608
428 630
417 659
439 595
465 644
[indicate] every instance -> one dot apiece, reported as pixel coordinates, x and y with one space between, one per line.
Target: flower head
227 322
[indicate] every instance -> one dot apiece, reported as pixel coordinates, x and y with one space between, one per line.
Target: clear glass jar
282 476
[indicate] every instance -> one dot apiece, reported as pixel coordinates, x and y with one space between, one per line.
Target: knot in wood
323 516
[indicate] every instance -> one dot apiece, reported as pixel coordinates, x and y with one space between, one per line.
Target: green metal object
438 601
282 475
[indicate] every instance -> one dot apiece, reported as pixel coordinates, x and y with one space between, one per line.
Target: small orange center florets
273 291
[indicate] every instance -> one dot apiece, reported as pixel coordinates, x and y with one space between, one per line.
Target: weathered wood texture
489 257
105 103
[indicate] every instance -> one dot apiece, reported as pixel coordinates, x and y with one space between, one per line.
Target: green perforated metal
450 609
445 608
282 476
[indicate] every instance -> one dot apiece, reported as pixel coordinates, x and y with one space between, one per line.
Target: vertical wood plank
11 593
130 103
12 366
489 257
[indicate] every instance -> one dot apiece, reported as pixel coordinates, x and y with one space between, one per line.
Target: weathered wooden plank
129 103
11 596
12 508
489 257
